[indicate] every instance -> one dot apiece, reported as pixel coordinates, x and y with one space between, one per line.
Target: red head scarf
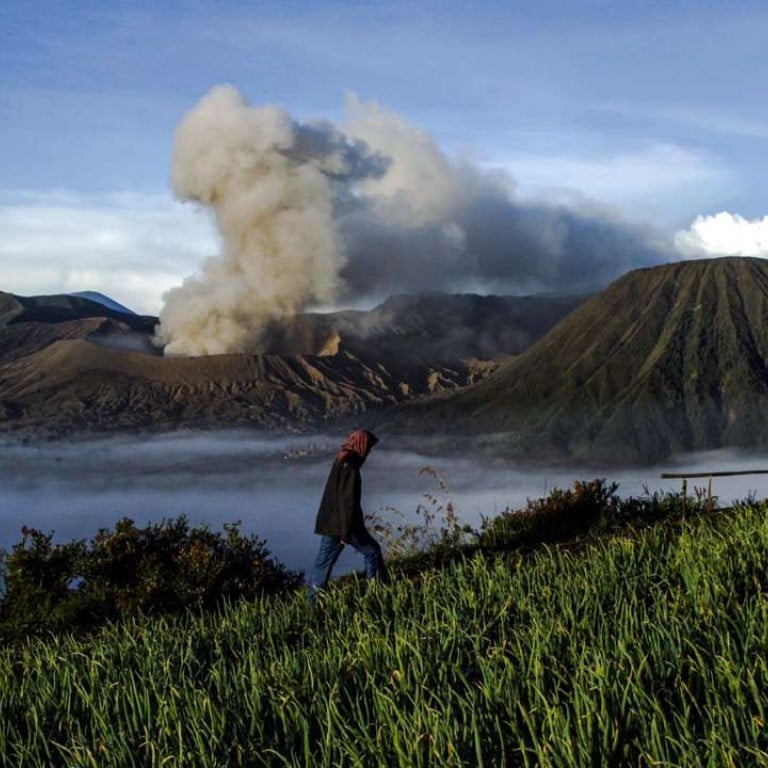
357 444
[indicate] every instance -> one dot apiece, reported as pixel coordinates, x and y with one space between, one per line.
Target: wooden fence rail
685 476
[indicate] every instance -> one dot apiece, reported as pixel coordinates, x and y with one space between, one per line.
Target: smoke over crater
275 187
310 214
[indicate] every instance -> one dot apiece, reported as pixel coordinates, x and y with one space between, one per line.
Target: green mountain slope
665 359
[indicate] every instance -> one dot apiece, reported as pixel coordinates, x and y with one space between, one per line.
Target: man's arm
348 499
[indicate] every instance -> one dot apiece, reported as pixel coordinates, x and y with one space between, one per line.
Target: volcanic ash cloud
309 214
274 187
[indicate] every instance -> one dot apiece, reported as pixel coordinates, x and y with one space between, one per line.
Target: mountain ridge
68 364
665 360
107 301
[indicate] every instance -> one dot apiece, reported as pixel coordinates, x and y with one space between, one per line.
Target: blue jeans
330 549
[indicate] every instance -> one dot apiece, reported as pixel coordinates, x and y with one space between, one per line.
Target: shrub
41 585
161 568
562 515
590 508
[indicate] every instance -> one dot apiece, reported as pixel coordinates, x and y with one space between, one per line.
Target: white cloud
724 234
132 247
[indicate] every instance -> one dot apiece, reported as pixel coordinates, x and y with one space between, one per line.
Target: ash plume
274 186
312 214
433 223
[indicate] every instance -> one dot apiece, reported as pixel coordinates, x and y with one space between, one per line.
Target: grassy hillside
646 648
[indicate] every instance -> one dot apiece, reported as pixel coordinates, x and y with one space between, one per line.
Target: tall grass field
648 648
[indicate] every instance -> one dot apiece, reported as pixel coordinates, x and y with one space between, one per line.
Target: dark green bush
590 508
161 568
560 516
41 589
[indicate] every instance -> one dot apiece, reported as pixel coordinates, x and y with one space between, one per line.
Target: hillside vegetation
644 647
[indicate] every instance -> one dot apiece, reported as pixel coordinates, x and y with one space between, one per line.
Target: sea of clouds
273 486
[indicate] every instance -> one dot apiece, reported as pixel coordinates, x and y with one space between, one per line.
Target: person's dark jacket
340 513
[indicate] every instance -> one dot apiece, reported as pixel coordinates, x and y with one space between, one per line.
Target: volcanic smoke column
274 186
308 214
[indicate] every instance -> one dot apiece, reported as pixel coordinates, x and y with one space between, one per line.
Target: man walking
340 517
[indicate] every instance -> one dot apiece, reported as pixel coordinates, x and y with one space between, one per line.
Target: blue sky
655 110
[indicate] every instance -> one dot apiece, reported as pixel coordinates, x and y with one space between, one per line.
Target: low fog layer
274 487
310 214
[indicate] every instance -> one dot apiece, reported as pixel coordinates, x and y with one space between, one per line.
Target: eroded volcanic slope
67 363
664 360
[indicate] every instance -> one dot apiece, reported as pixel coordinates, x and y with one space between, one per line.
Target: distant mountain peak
665 360
100 298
